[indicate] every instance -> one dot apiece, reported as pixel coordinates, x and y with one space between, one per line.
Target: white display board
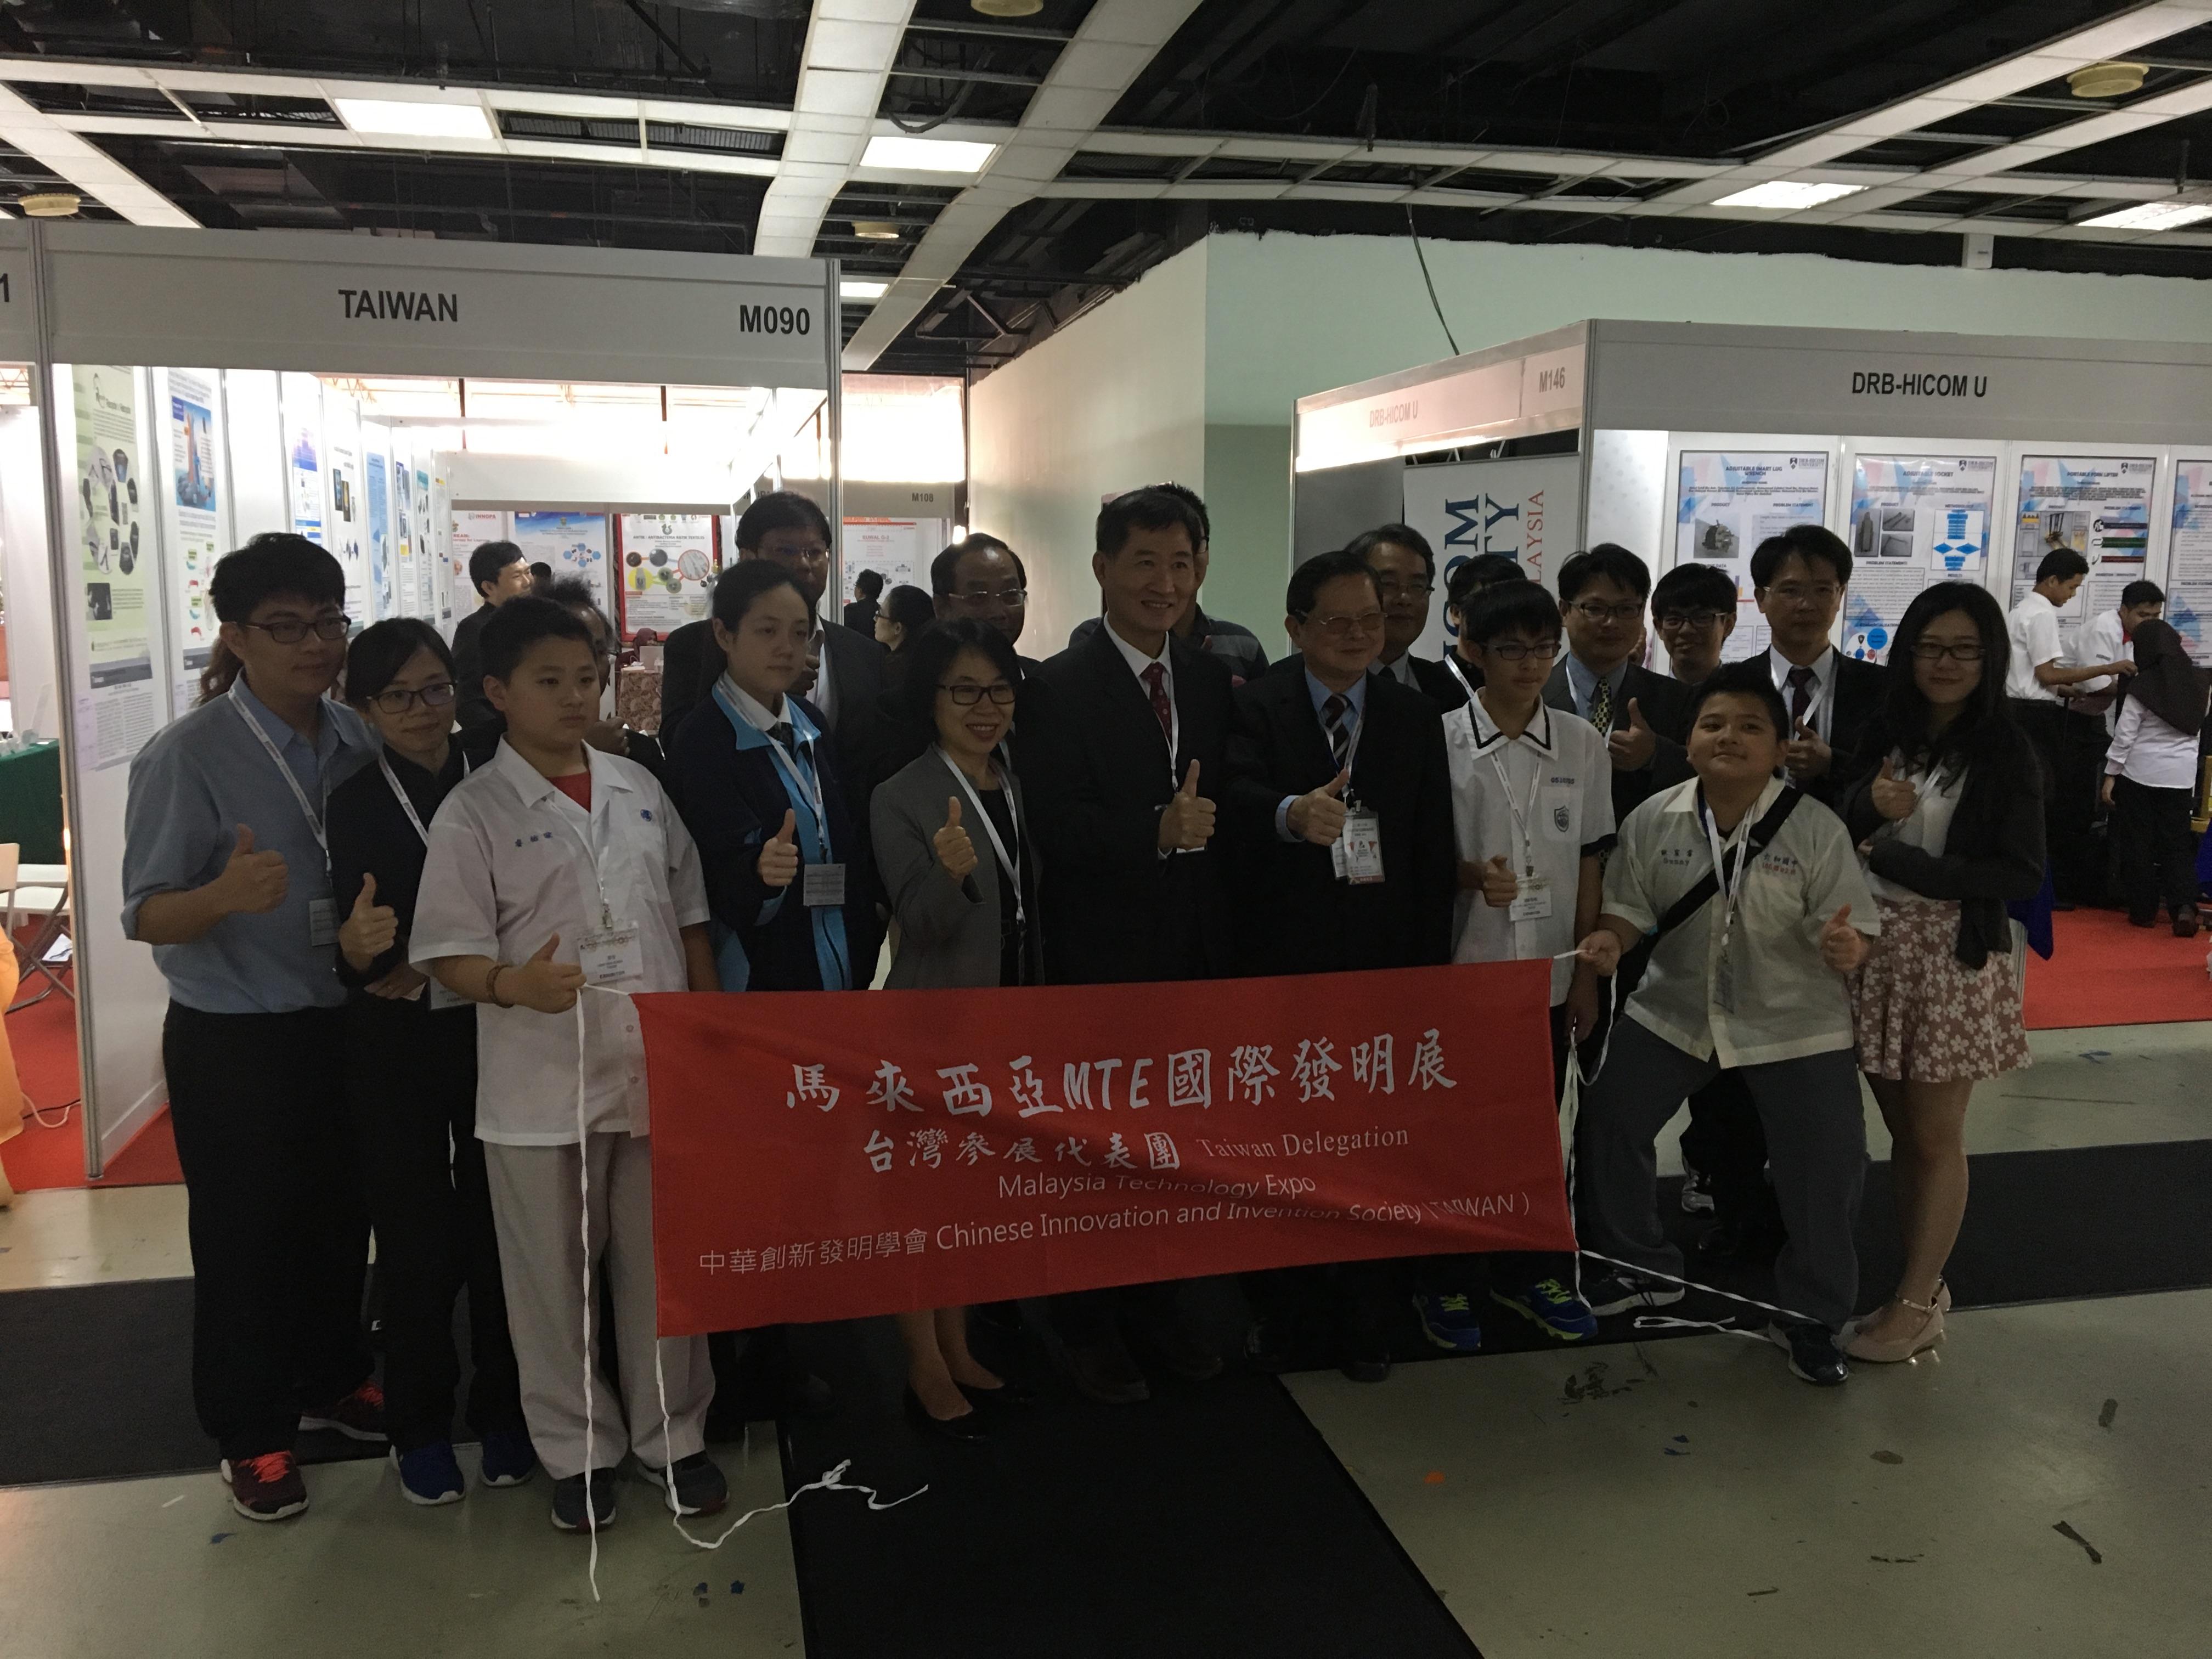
376 524
2097 505
305 496
197 512
668 566
1914 519
1727 501
1524 509
345 522
574 544
2188 556
119 701
900 550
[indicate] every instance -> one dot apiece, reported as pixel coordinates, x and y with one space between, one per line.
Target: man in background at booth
1602 595
2105 637
1236 645
981 578
2040 683
861 614
1798 580
1693 607
225 874
1405 574
498 572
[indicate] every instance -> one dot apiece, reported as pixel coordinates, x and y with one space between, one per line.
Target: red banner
836 1156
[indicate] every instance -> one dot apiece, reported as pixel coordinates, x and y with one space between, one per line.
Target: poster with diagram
2189 557
471 530
404 560
302 401
1915 519
119 702
2098 506
196 536
668 568
347 529
376 516
1727 502
437 555
572 543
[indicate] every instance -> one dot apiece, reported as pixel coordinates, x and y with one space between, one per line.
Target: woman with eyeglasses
952 843
1950 827
411 1069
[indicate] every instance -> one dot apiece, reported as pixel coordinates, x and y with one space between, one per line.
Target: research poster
574 544
2097 505
1915 519
437 556
118 702
376 504
897 549
196 537
2189 557
471 530
1728 501
302 402
1524 509
405 556
667 571
348 525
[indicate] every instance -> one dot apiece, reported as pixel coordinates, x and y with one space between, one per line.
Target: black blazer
1666 707
1097 775
370 835
1438 684
1860 688
1294 916
1993 851
472 707
689 665
732 799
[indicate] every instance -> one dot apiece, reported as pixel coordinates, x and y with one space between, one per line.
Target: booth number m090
774 319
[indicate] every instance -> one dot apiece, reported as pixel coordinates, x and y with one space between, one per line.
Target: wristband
491 986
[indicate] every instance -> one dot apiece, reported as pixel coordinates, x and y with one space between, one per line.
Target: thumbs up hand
955 851
369 930
1317 815
779 857
1843 947
1188 823
542 983
251 882
1807 757
1500 887
1893 797
1635 744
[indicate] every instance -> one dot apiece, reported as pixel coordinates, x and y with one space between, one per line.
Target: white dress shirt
2033 627
757 713
1821 714
512 861
1401 671
824 697
2147 751
2102 639
1139 662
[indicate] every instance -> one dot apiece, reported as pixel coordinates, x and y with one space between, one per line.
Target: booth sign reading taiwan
1935 456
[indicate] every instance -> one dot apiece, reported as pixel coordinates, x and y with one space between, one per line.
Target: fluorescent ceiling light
927 155
410 120
861 288
1787 194
2153 215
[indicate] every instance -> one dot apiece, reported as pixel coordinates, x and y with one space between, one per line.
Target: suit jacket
1295 916
1438 684
1666 707
1098 774
474 709
1859 689
949 932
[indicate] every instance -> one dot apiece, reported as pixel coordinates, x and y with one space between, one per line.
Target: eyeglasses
967 695
1799 593
1699 620
439 694
1340 627
1936 650
291 631
1514 651
1391 588
1009 596
1594 612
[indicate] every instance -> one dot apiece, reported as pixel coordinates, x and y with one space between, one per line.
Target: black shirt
1010 930
370 835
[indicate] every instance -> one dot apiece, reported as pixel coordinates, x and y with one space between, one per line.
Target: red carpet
2106 973
44 1038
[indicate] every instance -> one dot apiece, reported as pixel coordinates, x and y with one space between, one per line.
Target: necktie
1340 735
1156 682
1800 695
1600 715
781 731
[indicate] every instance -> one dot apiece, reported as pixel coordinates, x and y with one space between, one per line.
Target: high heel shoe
1892 1351
966 1429
1013 1395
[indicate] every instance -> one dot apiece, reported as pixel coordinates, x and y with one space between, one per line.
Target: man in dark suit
1602 595
1799 578
498 572
861 614
1119 758
1405 567
982 578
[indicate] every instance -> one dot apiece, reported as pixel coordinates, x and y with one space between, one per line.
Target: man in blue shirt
225 874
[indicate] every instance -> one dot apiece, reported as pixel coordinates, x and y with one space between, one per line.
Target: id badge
1532 902
1359 848
825 888
441 999
322 922
612 955
1725 984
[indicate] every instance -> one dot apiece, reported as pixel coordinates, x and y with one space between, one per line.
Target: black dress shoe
1103 1371
1182 1353
967 1429
1009 1393
1367 1371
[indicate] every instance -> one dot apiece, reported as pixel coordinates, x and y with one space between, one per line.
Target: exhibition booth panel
1937 457
197 387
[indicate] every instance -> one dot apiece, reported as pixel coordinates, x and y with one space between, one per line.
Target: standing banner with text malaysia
819 1157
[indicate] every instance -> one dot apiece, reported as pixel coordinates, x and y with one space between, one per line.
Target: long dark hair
1984 720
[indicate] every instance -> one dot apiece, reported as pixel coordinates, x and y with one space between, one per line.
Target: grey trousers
1816 1144
538 1209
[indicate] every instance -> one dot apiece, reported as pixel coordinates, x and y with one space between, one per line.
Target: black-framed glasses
1005 595
291 630
439 694
1697 619
966 696
1391 588
1338 626
1514 651
1958 651
1594 612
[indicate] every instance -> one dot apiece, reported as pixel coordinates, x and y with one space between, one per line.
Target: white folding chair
41 891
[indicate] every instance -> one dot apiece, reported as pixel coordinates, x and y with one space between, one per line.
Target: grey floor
1687 1498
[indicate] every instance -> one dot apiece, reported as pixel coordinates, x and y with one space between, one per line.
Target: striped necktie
1340 735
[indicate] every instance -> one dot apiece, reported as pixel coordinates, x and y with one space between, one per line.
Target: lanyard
1521 815
291 778
1352 748
1011 866
1451 661
399 794
1731 890
590 839
1815 702
811 781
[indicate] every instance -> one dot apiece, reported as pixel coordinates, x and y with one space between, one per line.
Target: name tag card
1534 901
1357 854
322 922
824 886
612 955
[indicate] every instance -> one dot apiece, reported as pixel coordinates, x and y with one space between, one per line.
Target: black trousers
2154 849
279 1238
2070 782
411 1088
1726 1142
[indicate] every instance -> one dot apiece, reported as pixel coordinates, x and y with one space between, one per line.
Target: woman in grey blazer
952 848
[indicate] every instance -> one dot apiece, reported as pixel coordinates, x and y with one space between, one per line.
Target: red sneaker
267 1487
359 1416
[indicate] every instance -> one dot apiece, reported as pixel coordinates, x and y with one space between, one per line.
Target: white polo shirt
1561 759
1789 1003
2032 628
512 862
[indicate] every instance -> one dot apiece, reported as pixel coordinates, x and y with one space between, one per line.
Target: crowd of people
1753 879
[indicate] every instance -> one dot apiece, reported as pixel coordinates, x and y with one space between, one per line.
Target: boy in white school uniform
1746 972
1532 813
551 868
